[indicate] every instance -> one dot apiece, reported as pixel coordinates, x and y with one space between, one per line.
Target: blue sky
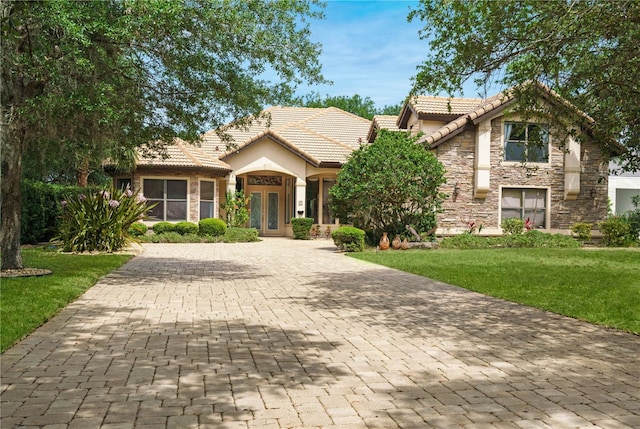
369 49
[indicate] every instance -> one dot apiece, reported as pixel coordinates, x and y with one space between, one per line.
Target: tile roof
430 104
317 134
182 154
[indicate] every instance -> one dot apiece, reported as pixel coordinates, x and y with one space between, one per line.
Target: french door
265 212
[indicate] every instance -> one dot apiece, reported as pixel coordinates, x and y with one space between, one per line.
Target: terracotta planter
395 244
405 244
384 242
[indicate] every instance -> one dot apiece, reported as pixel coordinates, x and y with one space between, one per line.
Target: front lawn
28 302
599 286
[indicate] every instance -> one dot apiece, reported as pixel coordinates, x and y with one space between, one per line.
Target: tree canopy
86 80
363 107
388 184
587 51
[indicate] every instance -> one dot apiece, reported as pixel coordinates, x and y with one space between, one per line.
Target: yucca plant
100 220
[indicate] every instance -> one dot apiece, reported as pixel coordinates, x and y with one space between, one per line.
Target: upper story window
524 142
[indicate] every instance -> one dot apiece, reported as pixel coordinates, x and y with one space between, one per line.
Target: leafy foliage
616 232
82 80
363 107
391 183
582 230
512 225
163 227
240 235
212 226
349 239
100 220
138 229
184 228
587 51
533 238
235 207
302 227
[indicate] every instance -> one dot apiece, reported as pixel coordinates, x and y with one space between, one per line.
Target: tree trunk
11 144
83 173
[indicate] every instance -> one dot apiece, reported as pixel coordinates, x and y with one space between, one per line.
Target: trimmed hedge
41 209
184 228
138 229
349 239
302 227
163 227
241 235
212 226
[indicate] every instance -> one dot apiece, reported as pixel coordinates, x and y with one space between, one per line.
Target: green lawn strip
599 286
28 302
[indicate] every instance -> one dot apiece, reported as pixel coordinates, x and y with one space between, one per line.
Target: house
623 187
287 163
492 174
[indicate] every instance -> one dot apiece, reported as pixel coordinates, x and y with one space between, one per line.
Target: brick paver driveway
284 333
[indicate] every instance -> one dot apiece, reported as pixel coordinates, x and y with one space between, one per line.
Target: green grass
28 302
599 286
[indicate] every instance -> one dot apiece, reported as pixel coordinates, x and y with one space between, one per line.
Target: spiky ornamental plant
100 220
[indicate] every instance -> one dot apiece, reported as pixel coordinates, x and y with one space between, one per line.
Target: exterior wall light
456 192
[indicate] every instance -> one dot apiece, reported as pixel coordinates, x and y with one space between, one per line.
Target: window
123 183
207 193
313 188
170 196
526 142
327 216
525 204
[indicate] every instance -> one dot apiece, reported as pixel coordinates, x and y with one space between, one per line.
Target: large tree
587 51
389 184
101 78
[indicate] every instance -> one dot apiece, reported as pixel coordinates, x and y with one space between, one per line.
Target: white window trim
142 178
547 215
525 163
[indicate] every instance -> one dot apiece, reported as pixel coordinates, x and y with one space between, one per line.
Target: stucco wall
458 157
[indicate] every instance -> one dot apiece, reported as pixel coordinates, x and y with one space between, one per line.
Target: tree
99 79
388 184
588 52
363 107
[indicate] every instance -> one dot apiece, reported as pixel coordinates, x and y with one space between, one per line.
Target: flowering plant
472 226
100 220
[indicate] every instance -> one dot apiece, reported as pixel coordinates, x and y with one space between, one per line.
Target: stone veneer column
482 162
572 169
301 197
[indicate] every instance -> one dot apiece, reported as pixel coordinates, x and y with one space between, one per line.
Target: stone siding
458 157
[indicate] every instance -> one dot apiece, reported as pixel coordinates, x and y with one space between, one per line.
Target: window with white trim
170 196
207 199
524 142
525 203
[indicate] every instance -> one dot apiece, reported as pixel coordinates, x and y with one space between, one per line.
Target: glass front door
265 212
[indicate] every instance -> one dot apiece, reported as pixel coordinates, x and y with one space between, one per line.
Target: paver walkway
285 334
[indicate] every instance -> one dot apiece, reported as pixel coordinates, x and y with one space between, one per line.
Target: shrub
184 228
582 230
235 207
163 227
302 227
240 235
100 221
533 238
616 231
212 226
349 239
41 211
138 229
512 225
